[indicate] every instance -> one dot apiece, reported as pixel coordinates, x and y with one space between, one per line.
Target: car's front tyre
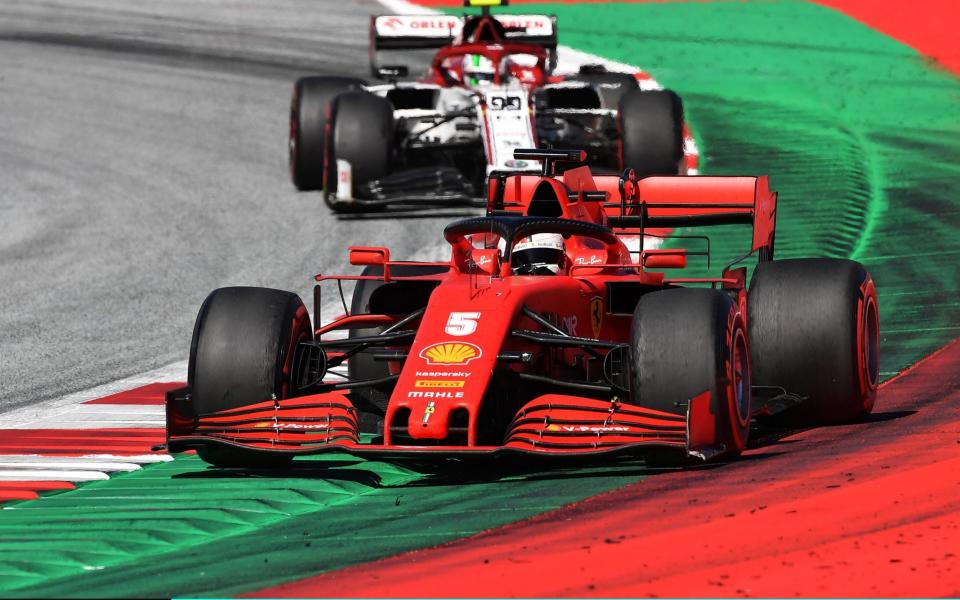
244 351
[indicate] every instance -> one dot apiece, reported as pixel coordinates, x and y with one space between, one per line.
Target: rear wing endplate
671 202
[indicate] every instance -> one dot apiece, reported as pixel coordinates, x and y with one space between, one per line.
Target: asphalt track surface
143 164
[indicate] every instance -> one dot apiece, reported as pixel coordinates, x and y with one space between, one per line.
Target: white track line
140 459
70 412
90 467
97 416
73 476
60 463
64 408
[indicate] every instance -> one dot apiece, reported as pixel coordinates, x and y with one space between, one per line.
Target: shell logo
450 353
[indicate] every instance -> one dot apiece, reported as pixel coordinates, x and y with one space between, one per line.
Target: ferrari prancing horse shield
596 315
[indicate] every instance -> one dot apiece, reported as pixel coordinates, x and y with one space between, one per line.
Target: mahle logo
450 353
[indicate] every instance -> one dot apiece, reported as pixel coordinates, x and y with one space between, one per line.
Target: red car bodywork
484 326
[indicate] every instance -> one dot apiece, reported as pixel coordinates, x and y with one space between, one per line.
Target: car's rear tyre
815 331
243 352
362 366
686 341
361 133
308 121
651 130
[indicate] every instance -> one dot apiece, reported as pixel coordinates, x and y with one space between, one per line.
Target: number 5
462 323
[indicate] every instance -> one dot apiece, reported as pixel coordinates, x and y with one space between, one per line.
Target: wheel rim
292 140
870 344
740 377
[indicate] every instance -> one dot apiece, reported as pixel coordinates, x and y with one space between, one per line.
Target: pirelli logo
438 383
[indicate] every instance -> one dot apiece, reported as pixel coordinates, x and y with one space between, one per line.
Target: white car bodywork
501 119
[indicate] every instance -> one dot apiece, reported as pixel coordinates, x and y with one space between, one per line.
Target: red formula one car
543 334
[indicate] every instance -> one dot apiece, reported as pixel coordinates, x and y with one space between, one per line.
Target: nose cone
430 416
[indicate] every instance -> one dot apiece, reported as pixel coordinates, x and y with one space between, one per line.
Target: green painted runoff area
181 528
857 133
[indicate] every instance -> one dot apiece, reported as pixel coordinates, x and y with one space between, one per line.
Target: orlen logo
434 24
406 25
450 353
524 22
392 22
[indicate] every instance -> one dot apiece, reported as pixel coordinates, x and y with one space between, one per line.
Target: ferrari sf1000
543 334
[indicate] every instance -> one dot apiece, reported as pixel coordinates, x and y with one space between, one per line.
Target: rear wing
413 32
626 203
703 200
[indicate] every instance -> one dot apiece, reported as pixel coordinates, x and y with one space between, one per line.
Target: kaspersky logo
451 353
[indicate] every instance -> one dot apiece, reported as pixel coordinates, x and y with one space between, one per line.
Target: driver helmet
477 70
539 254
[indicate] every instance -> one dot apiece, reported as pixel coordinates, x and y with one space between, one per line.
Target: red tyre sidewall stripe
868 326
736 425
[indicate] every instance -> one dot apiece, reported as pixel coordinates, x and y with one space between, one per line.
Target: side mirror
672 258
392 71
369 255
592 69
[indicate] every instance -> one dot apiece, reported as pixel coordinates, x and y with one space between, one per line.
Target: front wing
550 425
422 186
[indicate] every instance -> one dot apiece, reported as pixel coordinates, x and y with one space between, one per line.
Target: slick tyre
815 332
651 130
309 105
361 134
373 401
686 341
244 351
